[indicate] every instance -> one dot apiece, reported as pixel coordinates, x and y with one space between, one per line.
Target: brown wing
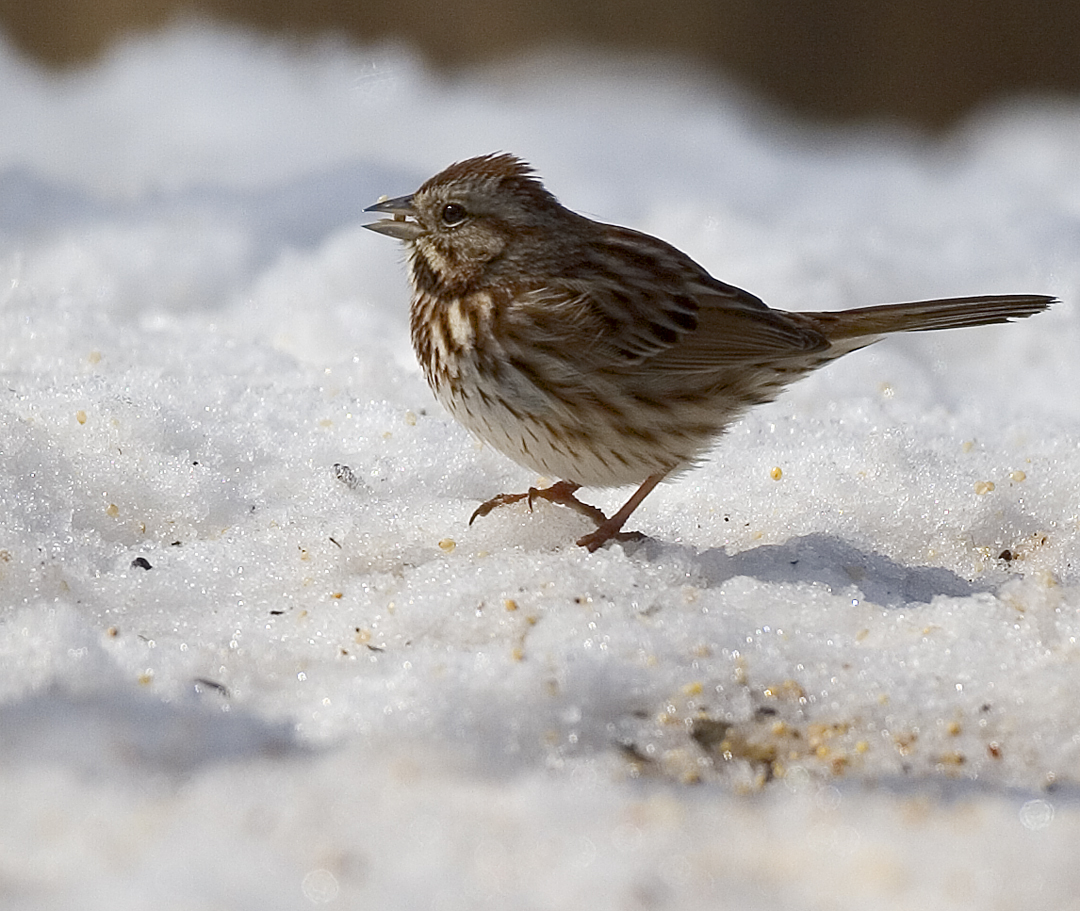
605 330
627 299
729 334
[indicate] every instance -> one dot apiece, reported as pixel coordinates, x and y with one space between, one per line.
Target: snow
253 656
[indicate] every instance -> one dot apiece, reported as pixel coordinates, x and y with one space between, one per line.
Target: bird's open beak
397 226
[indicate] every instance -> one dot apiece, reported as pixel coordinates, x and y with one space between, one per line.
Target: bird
599 355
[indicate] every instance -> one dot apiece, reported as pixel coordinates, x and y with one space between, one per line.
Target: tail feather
922 316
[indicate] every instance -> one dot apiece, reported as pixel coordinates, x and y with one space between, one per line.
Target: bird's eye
453 214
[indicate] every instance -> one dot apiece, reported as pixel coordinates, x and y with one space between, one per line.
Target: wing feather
637 300
699 334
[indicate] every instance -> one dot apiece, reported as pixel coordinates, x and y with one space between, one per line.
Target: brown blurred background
925 62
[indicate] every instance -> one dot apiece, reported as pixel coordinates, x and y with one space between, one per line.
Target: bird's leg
561 492
611 529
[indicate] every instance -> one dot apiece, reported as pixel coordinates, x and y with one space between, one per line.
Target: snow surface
251 653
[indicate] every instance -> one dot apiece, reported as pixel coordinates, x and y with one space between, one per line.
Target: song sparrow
596 354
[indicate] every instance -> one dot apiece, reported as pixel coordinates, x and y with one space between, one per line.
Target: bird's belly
618 443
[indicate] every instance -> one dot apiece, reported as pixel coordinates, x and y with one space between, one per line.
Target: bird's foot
562 492
611 529
607 532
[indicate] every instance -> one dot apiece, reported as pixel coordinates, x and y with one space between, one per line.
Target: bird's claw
597 539
502 499
562 493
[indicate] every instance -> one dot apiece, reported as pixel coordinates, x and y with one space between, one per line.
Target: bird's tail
867 323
